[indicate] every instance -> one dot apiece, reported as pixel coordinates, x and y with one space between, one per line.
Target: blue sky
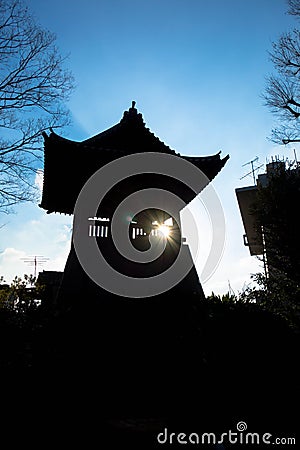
197 71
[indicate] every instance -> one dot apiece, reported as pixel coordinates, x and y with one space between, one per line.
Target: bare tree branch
294 7
282 93
34 86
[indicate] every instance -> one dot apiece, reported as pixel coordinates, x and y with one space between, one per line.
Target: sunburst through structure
164 230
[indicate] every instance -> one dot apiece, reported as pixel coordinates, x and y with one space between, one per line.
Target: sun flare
164 230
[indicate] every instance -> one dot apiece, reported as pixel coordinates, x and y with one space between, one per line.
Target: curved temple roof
69 164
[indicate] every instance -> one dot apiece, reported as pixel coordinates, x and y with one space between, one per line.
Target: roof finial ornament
133 103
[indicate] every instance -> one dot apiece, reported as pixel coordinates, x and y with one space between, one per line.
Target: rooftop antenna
253 169
35 261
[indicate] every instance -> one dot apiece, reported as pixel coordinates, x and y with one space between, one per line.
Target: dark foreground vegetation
79 378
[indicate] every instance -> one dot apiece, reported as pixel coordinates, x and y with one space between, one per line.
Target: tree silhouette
33 88
282 93
275 213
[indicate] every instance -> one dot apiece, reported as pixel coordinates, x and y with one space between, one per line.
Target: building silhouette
268 210
140 338
82 159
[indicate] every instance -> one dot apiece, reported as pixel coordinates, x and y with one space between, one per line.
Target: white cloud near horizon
43 235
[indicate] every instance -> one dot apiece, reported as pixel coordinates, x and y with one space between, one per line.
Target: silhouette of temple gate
133 336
